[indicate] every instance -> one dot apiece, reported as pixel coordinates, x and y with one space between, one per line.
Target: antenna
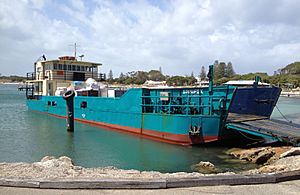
75 49
81 56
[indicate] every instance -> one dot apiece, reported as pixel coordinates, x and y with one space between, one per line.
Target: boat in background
177 115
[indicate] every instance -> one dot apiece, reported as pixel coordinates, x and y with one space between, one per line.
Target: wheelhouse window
48 66
95 69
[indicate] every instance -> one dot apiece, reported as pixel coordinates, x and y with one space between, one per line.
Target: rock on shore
205 167
279 160
273 159
50 167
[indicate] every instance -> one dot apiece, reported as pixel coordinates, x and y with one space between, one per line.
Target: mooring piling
69 97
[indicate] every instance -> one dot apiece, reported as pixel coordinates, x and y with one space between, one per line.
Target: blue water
27 136
289 107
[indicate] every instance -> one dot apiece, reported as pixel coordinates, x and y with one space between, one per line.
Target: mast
75 47
75 50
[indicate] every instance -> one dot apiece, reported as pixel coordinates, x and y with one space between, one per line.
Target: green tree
110 74
140 77
229 72
219 70
216 63
293 68
191 80
156 75
177 81
110 78
181 81
121 78
203 73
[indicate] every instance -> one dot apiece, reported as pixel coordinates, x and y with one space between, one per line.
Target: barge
176 115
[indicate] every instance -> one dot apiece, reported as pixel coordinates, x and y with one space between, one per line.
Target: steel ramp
268 128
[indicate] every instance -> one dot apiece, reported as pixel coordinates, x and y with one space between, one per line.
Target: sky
179 36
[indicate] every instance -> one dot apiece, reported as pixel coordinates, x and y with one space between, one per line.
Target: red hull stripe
178 139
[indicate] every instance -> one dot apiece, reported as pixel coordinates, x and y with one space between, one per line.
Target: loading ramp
266 128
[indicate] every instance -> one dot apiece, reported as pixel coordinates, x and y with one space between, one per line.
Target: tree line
140 77
223 72
12 79
289 76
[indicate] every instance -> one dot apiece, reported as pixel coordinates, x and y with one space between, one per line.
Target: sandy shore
290 93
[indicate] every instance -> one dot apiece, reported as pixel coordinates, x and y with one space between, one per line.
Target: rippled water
28 136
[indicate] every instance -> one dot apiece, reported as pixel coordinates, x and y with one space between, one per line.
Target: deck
267 128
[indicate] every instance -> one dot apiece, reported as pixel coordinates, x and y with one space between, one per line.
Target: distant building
244 83
201 83
155 83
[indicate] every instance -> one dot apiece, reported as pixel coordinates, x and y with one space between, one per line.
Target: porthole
83 104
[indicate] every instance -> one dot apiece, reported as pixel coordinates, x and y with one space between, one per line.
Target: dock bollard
69 97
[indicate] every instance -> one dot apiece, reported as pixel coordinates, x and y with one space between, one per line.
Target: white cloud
180 36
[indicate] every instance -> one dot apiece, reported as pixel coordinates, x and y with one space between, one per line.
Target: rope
247 137
283 115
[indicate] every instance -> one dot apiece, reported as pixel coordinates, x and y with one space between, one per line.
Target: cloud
179 36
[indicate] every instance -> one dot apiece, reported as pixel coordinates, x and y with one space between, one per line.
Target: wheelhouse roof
75 62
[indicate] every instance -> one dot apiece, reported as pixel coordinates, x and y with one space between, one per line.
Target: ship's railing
29 87
66 75
30 76
184 104
101 77
74 76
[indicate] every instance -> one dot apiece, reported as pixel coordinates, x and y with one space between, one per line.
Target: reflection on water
28 136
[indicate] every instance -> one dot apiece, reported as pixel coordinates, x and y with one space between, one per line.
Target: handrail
186 96
30 76
192 103
176 105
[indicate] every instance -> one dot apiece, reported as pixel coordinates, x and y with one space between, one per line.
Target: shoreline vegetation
287 78
272 160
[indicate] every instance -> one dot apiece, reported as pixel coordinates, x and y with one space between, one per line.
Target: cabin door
78 76
50 89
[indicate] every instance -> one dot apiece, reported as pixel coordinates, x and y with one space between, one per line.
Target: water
289 107
27 136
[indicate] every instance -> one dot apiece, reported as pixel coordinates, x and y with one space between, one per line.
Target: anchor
195 130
